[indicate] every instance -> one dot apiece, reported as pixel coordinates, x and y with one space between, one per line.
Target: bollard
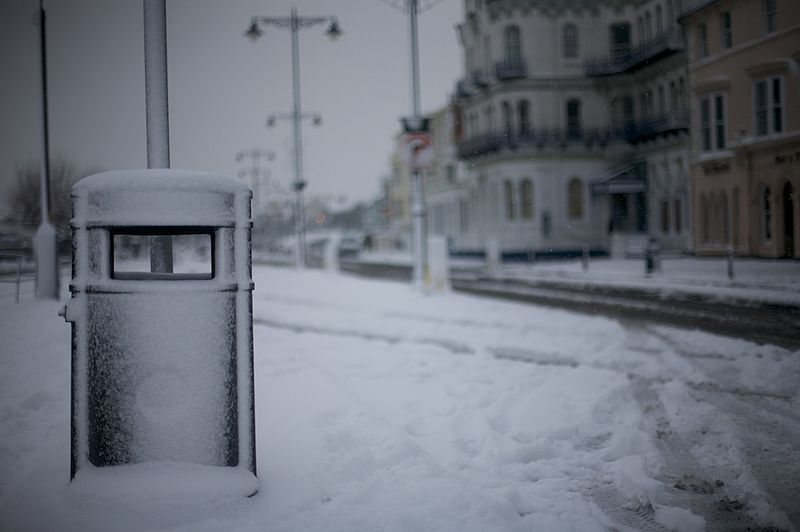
492 257
585 258
730 261
650 256
162 362
438 270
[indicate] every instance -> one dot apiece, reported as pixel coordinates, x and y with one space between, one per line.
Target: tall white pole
45 243
299 184
417 195
157 112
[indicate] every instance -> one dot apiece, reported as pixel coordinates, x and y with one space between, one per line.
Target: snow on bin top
160 197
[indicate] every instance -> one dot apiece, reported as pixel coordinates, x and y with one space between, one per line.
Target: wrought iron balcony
479 79
508 70
629 59
539 138
650 128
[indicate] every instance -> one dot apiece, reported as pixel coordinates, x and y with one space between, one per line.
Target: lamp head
254 31
316 120
270 121
334 31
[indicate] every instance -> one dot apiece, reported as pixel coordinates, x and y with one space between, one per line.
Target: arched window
526 199
571 43
574 126
673 96
704 229
524 117
766 215
575 198
659 20
508 124
513 52
508 187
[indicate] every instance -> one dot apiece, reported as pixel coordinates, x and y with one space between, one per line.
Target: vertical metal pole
157 112
417 194
300 256
45 241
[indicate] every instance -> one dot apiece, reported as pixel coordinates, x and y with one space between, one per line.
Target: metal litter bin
162 363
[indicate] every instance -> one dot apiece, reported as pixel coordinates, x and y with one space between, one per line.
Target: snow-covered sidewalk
381 409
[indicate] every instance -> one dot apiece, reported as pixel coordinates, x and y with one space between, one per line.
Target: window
513 54
712 122
487 52
673 96
662 100
648 26
526 199
524 118
768 105
770 15
726 31
575 198
490 119
509 197
508 127
766 215
451 173
735 217
463 216
670 12
659 20
665 217
678 215
571 45
574 127
620 35
702 41
725 220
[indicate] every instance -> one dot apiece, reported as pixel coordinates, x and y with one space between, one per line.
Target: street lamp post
45 242
415 124
295 23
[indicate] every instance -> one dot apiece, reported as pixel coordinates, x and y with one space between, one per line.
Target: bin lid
160 197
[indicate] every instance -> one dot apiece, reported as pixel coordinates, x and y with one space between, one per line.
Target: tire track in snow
449 345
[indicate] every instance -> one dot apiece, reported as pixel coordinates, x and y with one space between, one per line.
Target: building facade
744 62
572 124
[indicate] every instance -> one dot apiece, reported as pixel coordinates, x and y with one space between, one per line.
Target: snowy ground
381 409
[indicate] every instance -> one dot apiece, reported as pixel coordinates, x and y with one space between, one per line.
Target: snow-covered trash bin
162 362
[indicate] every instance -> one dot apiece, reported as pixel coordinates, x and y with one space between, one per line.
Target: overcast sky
222 85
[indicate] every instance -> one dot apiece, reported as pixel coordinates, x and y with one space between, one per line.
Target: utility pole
255 172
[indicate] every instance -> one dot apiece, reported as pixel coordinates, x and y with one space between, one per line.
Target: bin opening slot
192 254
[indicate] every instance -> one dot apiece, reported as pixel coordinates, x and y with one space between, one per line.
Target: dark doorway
788 220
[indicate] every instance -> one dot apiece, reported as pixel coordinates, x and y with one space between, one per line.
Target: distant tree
23 201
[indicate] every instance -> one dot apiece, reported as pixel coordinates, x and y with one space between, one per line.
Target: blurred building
745 125
573 126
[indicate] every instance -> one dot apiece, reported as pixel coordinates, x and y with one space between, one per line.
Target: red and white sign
418 150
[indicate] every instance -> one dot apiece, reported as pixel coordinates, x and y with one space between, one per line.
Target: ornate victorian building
571 120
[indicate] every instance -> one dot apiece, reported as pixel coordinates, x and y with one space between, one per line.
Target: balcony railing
479 78
627 60
656 126
508 70
590 138
540 138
